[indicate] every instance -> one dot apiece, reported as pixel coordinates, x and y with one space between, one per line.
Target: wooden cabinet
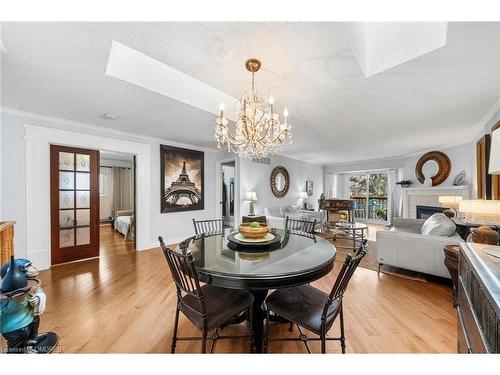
338 205
6 241
478 309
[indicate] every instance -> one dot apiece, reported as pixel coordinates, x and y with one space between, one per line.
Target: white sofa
405 247
276 216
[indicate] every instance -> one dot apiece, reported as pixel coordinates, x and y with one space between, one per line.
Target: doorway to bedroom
117 203
227 201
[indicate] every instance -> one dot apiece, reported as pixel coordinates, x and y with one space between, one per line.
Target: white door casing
38 141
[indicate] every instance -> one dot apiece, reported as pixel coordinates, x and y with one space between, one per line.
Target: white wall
256 177
172 226
460 158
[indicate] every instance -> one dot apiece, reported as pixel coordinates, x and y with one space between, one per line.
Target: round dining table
298 258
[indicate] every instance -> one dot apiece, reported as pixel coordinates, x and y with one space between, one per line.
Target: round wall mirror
280 181
434 165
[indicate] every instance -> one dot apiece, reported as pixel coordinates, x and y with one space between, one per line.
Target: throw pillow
438 225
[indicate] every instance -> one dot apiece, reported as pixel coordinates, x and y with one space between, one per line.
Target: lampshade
451 201
495 153
303 195
251 196
480 206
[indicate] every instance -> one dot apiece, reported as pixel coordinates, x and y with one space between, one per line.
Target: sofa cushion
274 211
438 225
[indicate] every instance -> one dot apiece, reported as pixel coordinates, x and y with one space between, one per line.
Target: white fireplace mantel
428 196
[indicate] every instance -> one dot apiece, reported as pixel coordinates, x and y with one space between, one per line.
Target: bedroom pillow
438 225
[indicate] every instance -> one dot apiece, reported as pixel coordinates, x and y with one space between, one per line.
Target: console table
478 307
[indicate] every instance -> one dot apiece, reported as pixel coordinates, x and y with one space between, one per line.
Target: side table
451 253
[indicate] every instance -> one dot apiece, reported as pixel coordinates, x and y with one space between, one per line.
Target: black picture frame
191 187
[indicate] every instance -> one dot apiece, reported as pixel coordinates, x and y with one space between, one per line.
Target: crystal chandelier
258 132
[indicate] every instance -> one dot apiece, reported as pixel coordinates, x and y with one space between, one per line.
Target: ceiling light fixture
258 131
107 116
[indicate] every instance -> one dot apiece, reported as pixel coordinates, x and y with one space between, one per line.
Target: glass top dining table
297 259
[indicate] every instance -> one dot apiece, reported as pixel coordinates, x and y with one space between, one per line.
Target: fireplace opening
425 212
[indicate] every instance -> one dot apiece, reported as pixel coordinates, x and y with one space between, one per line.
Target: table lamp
484 212
451 201
251 197
303 195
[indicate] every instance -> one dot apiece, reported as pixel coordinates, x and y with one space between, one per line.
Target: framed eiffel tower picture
182 179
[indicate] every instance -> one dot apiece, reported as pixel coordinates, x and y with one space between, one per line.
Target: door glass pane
357 192
66 180
67 161
82 217
83 181
66 218
66 199
82 236
377 202
66 237
83 162
83 199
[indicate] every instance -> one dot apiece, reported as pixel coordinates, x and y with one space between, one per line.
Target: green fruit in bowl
255 224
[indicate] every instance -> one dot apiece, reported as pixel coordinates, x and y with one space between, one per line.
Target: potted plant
404 183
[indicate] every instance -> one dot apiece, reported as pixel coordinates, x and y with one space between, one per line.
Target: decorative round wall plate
444 167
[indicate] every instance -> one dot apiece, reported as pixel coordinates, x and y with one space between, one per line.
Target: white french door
371 194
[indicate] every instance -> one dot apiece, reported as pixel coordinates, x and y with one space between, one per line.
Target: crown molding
77 124
480 125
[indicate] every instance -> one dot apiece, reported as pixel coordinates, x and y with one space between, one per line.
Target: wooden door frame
218 189
483 179
495 179
89 250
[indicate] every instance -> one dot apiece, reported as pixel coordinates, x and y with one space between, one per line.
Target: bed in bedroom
123 223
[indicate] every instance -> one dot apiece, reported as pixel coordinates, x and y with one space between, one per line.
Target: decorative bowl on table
253 230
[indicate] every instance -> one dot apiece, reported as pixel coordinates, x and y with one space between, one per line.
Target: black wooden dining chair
207 307
206 226
300 225
310 308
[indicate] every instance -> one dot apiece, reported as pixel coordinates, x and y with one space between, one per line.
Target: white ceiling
337 114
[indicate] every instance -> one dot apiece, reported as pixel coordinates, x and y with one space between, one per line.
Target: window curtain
336 186
330 185
396 196
122 189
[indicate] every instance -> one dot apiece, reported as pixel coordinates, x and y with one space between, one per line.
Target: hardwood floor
124 302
